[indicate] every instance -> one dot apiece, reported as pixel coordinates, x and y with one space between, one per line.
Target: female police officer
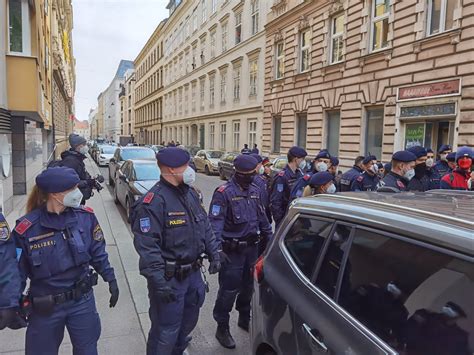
59 242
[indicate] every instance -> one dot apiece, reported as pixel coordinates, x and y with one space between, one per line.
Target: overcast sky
106 31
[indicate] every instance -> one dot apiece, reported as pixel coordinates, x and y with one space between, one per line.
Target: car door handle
315 337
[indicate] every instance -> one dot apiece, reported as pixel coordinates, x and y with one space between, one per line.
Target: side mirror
123 178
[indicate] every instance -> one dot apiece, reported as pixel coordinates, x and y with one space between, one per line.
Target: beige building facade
368 76
127 112
213 73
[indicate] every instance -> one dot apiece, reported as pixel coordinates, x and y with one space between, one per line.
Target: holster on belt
181 271
237 245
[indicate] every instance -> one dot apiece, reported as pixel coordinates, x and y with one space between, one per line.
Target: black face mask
420 170
244 180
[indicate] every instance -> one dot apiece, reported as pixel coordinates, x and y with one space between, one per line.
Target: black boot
243 322
224 337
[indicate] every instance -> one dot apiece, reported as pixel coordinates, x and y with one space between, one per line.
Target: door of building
430 134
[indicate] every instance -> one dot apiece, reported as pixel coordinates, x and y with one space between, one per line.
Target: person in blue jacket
172 236
59 243
369 179
350 175
10 280
239 222
401 172
431 173
442 166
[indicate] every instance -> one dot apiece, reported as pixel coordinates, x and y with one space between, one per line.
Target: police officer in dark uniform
284 182
419 182
239 222
262 181
59 243
431 173
442 167
172 234
321 182
369 179
10 280
349 176
245 149
321 163
402 171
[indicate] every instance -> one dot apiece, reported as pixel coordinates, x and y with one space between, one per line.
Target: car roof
142 161
446 220
133 148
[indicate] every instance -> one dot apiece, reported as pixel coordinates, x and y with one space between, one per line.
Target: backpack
55 163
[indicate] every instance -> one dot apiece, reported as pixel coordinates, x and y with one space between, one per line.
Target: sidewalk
122 326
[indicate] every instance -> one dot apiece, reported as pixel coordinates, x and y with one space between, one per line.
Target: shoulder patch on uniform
87 209
148 197
281 173
360 178
215 210
4 232
400 184
23 226
145 224
280 187
221 188
306 177
98 234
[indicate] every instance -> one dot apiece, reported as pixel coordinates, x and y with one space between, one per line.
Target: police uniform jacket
281 187
10 283
56 250
419 184
434 178
75 160
442 168
365 182
170 223
348 177
238 213
394 181
301 183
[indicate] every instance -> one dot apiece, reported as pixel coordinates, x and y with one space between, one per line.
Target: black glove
10 318
114 293
224 258
214 267
166 294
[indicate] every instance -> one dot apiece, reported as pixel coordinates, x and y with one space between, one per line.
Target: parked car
278 164
368 273
134 179
157 148
192 149
206 160
106 152
128 153
225 165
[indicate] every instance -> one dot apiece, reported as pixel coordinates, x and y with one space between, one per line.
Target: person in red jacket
461 177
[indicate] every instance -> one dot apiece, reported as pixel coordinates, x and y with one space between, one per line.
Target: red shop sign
443 88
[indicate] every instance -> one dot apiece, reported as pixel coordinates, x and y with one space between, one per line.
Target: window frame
373 20
237 82
334 36
279 58
302 49
224 30
238 25
253 77
222 135
252 134
212 91
202 92
326 130
298 119
212 133
25 30
212 41
236 134
223 87
442 18
274 134
254 13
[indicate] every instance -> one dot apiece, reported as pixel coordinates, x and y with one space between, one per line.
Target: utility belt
44 305
181 271
236 245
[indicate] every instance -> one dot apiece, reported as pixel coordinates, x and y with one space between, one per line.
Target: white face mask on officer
429 162
331 189
302 164
409 174
321 166
374 169
84 149
189 176
72 199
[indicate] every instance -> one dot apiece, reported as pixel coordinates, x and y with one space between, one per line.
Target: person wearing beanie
402 171
74 159
369 179
419 182
462 176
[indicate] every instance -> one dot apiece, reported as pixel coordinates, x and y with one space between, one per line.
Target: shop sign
428 110
424 91
414 135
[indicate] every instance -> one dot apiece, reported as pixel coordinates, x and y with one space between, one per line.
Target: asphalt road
203 335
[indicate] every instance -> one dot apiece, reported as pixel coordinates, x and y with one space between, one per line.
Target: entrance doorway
430 134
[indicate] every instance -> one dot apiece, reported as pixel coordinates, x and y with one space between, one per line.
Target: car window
108 150
117 155
280 163
418 300
125 169
305 240
147 172
214 154
329 270
134 154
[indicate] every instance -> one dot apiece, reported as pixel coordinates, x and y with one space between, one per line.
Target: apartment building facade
213 73
127 112
368 76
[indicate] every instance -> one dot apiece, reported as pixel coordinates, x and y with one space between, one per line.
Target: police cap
297 152
418 150
57 179
173 157
368 159
334 161
464 152
451 156
444 148
404 156
429 150
245 163
320 178
388 166
257 156
323 154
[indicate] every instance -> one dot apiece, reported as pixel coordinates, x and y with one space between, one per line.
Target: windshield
134 154
214 154
108 150
147 172
281 163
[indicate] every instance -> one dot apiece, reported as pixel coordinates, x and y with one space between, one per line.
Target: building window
440 15
214 6
333 123
236 134
301 129
19 27
223 87
224 37
203 51
203 11
186 102
213 44
379 24
337 42
253 77
280 60
201 96
254 11
211 90
374 131
237 83
252 133
238 28
305 44
276 134
212 134
194 53
195 20
193 96
223 134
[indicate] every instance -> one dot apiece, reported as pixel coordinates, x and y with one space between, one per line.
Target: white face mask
429 162
261 171
302 164
84 149
374 168
331 189
409 174
444 156
321 166
73 198
189 176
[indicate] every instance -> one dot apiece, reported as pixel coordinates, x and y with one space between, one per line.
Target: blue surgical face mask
302 164
331 189
321 166
409 174
189 176
73 198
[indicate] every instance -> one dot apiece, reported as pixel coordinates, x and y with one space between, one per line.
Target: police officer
451 159
245 149
262 181
255 149
402 171
380 170
369 179
349 176
239 222
334 164
441 166
74 159
172 232
321 162
461 177
284 182
10 280
321 182
59 242
419 182
431 173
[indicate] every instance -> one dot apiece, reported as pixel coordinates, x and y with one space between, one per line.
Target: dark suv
368 273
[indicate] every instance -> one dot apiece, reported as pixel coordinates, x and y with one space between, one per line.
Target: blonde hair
36 199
